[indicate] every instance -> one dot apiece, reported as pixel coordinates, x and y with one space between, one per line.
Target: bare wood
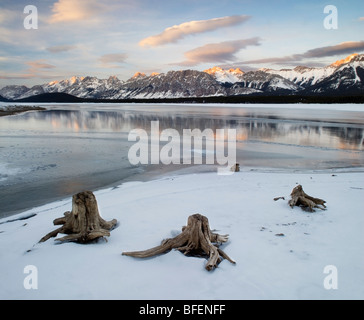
84 223
301 199
235 168
196 239
279 198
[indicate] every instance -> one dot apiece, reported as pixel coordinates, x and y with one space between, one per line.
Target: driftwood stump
235 167
83 224
301 199
196 239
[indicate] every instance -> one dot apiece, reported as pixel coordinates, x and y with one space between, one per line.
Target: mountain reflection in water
269 129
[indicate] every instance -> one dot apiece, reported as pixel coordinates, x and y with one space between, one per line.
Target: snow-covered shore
281 253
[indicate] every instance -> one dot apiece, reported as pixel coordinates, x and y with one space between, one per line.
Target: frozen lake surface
49 155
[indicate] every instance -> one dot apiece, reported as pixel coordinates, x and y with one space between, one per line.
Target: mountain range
343 77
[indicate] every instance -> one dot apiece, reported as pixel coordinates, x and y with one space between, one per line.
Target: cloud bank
178 32
36 69
348 47
35 66
62 48
342 48
217 52
113 59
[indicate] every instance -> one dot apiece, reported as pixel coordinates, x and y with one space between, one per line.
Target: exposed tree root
196 239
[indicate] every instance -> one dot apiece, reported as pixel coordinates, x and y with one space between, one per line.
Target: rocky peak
225 76
139 75
236 71
344 61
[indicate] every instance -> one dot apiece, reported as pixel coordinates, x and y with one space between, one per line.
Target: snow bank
281 253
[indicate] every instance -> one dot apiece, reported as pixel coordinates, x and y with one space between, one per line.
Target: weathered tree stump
196 239
235 167
83 224
301 199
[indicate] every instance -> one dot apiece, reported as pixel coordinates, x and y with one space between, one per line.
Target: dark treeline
279 99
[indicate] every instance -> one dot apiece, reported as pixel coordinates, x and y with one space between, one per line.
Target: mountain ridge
346 75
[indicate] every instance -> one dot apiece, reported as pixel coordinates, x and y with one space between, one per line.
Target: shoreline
156 174
59 97
10 110
138 174
352 107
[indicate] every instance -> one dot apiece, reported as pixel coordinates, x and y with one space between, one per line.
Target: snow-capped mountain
226 76
173 84
306 77
303 76
348 77
266 82
343 76
13 92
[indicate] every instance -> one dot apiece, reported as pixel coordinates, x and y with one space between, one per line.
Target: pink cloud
178 32
217 52
71 10
39 64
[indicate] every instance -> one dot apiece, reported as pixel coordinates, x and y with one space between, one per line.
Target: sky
57 39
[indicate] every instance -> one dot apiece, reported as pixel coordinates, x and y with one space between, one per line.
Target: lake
53 154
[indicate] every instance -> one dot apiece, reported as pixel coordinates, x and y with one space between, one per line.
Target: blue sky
120 37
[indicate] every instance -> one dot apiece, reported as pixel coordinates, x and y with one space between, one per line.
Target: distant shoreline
57 97
11 110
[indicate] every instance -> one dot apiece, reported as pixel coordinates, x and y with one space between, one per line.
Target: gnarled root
196 239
